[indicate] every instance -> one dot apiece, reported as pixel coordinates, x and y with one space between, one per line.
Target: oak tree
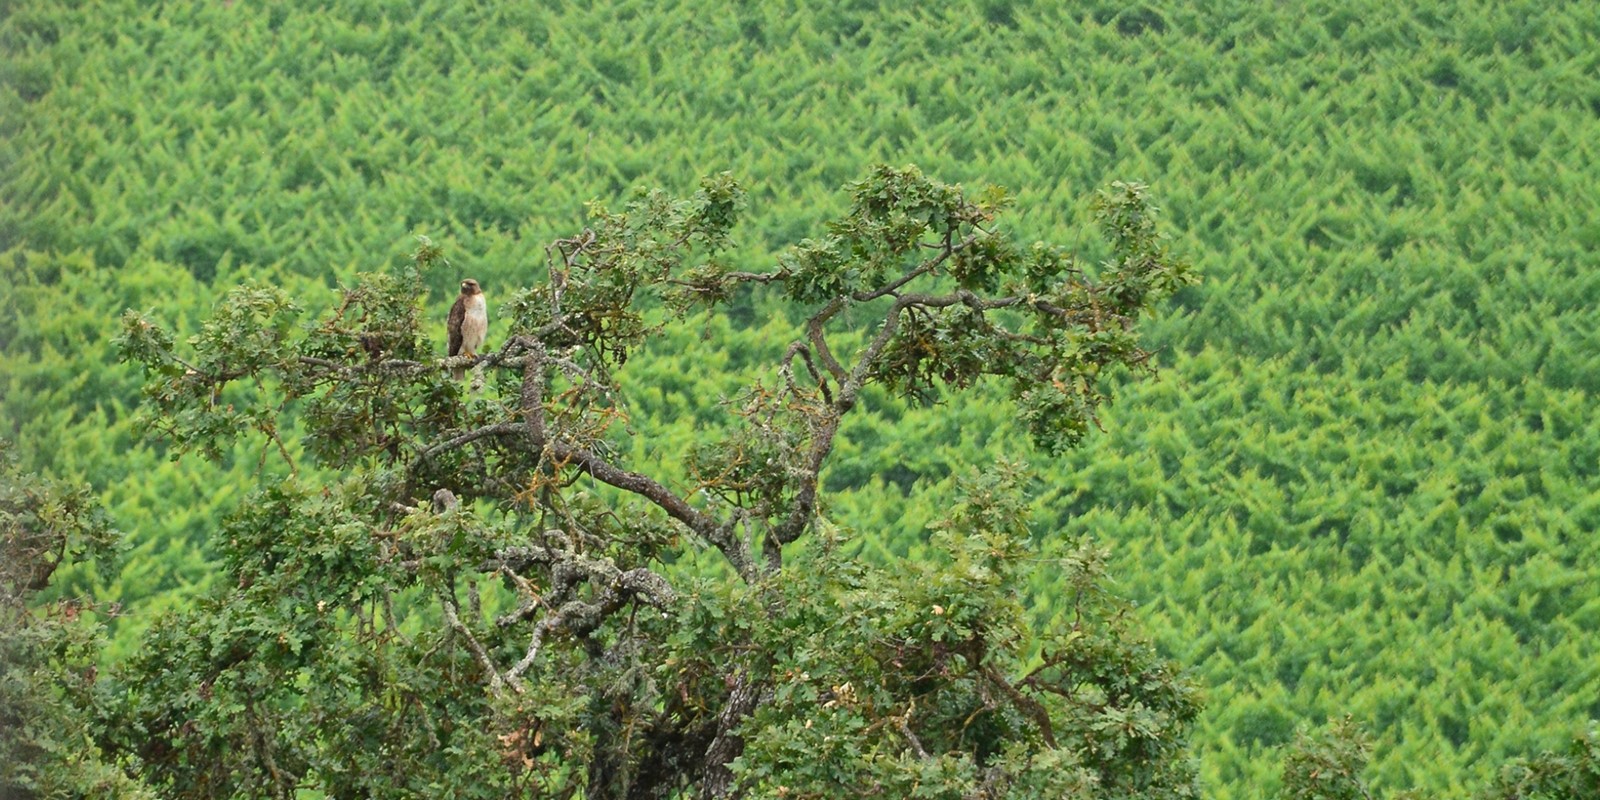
469 590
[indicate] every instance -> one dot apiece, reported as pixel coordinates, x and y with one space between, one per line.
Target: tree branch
460 440
1027 705
615 589
820 343
452 617
707 527
946 250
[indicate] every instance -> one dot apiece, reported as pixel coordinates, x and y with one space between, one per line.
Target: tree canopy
468 588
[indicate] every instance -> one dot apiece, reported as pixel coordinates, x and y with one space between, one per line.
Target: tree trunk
726 746
606 764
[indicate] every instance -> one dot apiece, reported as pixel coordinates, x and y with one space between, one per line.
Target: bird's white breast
475 325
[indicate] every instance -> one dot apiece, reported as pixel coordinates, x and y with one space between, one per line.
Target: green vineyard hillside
1365 482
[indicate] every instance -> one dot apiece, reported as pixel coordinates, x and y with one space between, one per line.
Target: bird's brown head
470 287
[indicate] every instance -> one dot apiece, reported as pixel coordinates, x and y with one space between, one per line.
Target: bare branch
798 349
1025 704
756 277
497 429
613 589
946 249
820 343
719 535
850 384
452 616
903 723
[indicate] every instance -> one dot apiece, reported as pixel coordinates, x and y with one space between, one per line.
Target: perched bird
468 325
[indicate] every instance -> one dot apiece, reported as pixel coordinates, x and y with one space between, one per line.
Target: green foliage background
1368 481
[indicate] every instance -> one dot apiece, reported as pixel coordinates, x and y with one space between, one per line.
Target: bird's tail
458 374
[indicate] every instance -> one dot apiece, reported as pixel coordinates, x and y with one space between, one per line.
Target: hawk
468 325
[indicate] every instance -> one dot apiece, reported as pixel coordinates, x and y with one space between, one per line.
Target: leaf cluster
50 695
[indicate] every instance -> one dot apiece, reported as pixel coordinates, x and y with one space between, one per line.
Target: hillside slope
1368 480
